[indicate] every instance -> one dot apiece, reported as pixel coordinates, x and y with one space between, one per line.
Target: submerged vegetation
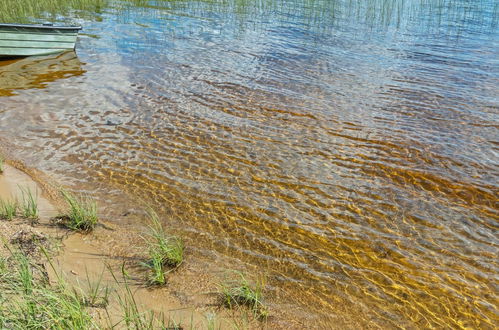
163 251
82 212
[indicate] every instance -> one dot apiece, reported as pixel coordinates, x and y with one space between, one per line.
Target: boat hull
30 40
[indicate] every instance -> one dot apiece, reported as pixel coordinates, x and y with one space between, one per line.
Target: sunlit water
349 150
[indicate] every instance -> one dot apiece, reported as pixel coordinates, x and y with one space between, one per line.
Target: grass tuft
32 304
163 251
82 212
29 301
96 294
240 292
132 316
29 206
8 209
2 162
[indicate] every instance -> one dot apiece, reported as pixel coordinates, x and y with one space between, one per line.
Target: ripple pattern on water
358 167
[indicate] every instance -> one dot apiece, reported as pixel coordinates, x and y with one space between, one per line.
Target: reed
27 11
29 205
163 251
239 291
81 213
318 14
8 209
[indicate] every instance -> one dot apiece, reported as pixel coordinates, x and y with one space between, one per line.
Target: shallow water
348 150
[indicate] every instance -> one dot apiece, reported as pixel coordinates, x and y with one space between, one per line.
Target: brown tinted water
348 151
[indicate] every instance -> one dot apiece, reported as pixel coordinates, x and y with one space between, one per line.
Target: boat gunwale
39 26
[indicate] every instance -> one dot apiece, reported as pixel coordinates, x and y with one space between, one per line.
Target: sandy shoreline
190 297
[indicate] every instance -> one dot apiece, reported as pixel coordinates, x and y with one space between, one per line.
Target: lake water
348 149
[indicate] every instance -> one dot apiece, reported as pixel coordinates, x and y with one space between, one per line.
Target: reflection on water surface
349 149
37 72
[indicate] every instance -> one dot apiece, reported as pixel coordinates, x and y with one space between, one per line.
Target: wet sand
189 298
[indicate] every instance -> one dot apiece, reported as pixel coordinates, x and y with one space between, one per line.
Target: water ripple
354 161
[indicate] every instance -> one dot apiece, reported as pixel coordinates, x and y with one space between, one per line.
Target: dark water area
349 150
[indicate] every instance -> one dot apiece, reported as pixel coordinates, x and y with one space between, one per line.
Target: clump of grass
30 303
82 212
96 294
29 206
8 209
163 251
239 291
155 264
2 162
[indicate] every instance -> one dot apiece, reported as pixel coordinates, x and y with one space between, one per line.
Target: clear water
348 149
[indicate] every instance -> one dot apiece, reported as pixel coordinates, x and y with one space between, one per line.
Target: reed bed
320 14
32 10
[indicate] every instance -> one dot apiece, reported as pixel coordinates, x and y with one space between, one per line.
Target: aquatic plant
238 291
8 209
82 212
319 14
29 205
163 250
27 11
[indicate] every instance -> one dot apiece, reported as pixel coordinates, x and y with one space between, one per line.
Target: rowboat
19 40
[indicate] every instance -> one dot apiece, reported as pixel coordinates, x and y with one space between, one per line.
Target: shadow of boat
37 72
